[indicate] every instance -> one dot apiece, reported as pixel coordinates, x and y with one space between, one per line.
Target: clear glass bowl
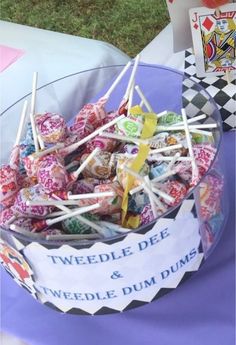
166 89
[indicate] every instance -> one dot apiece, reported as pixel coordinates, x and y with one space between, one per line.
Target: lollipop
8 185
15 154
155 202
45 223
169 118
9 174
123 105
86 185
137 202
109 204
210 196
130 149
204 155
158 170
104 144
69 149
122 174
130 126
26 146
51 174
98 166
7 216
26 194
31 162
92 115
75 226
32 111
175 189
146 216
51 127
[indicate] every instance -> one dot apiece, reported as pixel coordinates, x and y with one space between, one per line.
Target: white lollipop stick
163 176
72 164
34 133
156 179
90 195
73 237
193 119
141 104
199 131
21 124
81 210
172 162
132 76
92 135
190 148
144 99
158 158
130 101
32 111
164 149
113 226
163 113
82 219
55 214
49 150
41 143
122 138
182 128
33 95
76 173
51 202
118 79
145 187
152 202
154 197
25 232
169 158
163 194
72 199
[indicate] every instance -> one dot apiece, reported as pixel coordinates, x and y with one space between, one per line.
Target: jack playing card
214 36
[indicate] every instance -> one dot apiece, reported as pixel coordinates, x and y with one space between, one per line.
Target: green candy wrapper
75 226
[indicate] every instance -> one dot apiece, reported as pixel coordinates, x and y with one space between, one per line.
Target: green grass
128 24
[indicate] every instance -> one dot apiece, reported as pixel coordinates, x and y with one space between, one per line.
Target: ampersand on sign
116 275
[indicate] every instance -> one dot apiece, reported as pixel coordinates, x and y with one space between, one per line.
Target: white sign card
179 15
114 275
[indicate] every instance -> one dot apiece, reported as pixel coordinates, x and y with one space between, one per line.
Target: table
201 311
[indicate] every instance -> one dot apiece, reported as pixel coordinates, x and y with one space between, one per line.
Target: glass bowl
134 268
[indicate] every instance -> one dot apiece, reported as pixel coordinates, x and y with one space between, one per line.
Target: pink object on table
8 56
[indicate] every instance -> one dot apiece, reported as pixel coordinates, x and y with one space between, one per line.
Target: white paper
115 275
178 10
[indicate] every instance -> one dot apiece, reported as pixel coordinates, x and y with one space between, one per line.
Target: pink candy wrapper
51 174
31 193
8 185
51 127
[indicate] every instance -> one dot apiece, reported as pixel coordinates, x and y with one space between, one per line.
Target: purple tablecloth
201 311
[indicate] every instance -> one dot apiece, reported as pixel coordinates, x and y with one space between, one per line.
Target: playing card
178 10
214 35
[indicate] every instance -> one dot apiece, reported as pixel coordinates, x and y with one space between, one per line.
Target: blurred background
127 24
